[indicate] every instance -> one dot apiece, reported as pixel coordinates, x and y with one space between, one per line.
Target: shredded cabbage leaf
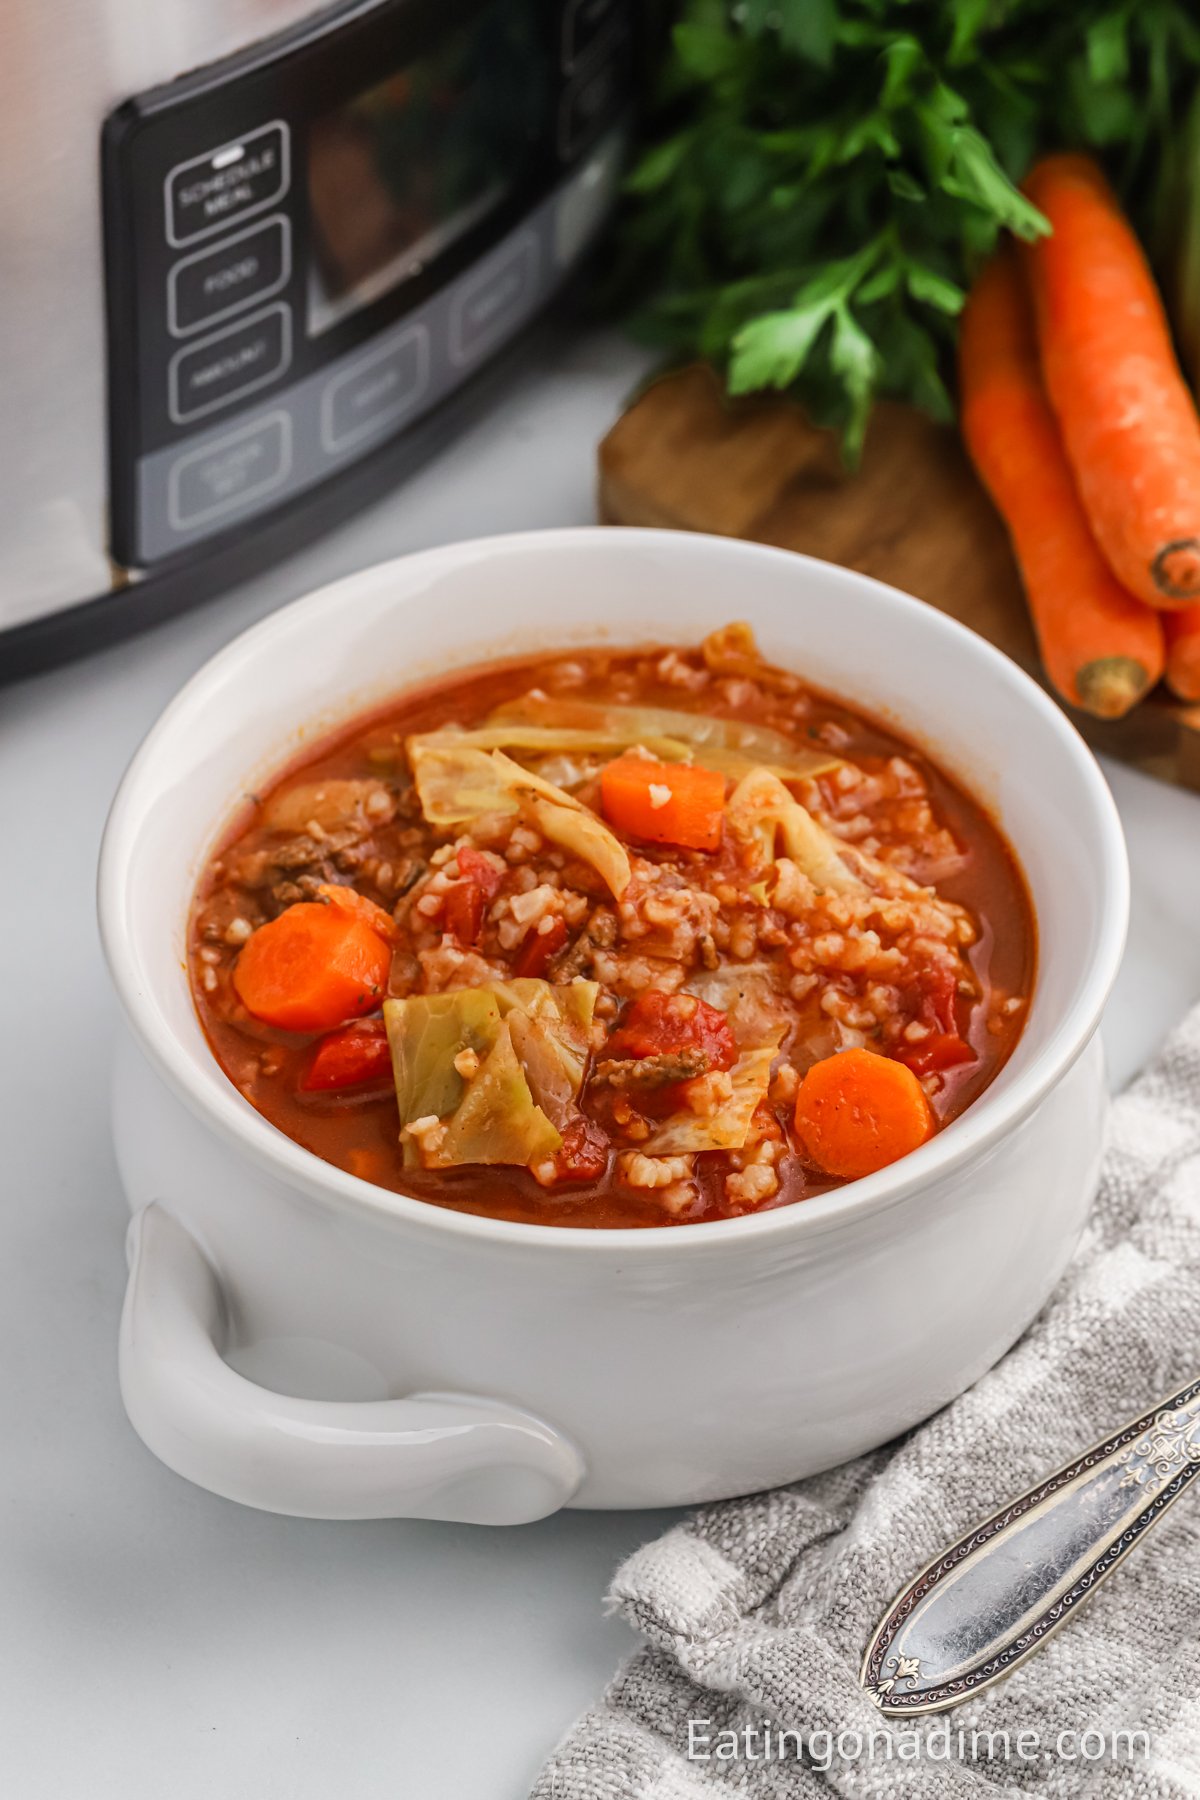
458 781
566 1009
732 650
425 1034
761 813
498 1121
729 1127
548 723
748 995
531 1041
332 804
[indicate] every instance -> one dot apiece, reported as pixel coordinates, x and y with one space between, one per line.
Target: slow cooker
257 256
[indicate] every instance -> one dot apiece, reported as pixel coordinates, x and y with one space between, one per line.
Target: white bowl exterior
690 1362
679 1379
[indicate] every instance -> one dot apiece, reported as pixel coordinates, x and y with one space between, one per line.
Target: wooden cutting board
686 457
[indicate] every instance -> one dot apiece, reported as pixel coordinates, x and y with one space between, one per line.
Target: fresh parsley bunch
820 178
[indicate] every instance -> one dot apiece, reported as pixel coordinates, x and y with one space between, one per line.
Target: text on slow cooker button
228 473
230 364
222 185
215 283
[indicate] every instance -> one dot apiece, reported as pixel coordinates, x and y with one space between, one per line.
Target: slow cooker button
207 192
230 364
228 474
215 283
374 392
492 303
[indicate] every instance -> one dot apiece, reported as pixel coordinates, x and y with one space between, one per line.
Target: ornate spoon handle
992 1599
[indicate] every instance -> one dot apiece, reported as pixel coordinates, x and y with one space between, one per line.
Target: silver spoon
993 1598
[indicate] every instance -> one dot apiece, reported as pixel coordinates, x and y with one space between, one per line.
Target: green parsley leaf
855 360
771 350
934 289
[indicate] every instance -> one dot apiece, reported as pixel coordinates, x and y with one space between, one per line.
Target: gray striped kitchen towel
756 1611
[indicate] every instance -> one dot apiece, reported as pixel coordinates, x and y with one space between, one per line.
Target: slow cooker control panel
309 246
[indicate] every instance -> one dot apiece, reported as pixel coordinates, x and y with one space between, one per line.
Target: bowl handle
427 1456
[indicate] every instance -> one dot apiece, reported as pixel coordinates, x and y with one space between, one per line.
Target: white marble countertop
157 1640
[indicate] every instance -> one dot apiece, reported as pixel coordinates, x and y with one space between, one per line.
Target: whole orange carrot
1183 652
1128 422
1101 648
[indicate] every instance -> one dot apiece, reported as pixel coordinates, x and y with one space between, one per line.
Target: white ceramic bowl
440 1365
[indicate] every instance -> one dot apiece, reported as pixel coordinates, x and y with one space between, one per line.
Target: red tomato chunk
584 1152
352 1057
535 953
659 1024
471 895
931 999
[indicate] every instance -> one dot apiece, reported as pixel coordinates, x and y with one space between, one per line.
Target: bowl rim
220 1105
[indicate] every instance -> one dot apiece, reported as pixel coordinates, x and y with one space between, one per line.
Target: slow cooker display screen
400 171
